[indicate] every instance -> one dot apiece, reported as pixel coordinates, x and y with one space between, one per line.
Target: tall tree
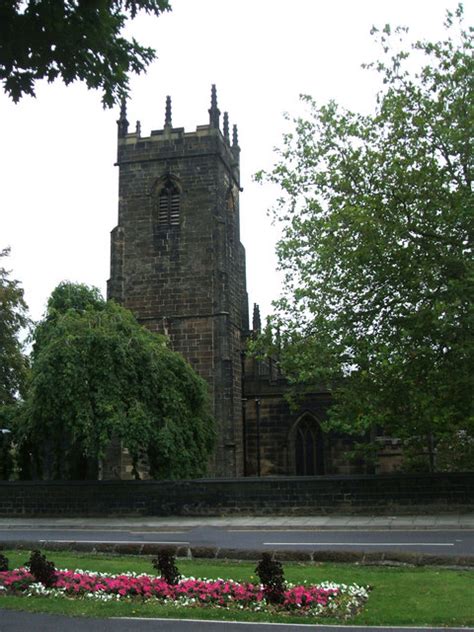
97 374
72 40
377 218
13 319
13 362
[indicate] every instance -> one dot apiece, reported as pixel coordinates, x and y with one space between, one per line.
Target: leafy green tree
72 40
13 362
13 320
98 375
377 224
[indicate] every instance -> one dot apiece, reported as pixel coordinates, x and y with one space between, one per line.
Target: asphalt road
11 621
440 542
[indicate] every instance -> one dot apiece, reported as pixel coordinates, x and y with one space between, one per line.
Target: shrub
3 563
42 569
272 578
164 563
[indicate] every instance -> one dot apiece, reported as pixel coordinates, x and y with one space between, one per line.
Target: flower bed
325 599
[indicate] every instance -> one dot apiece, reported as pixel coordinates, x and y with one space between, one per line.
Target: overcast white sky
58 199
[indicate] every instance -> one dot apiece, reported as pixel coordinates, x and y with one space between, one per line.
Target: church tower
176 258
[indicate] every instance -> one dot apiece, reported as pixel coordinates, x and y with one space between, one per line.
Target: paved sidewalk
152 523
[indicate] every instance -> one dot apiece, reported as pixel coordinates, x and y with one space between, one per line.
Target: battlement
170 133
171 139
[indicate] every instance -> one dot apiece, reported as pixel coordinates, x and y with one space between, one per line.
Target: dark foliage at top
71 40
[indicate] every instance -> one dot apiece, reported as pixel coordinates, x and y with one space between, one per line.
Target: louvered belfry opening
168 205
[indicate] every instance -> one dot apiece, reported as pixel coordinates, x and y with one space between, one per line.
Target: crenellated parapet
174 142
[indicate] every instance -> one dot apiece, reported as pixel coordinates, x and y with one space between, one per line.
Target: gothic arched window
168 204
308 447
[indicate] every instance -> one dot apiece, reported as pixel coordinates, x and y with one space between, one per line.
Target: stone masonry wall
319 495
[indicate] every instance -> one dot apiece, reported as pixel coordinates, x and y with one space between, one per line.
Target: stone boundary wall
318 495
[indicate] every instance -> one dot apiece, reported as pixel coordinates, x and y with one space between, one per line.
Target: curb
374 558
393 526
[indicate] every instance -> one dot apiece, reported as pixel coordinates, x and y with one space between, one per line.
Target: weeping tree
97 375
377 224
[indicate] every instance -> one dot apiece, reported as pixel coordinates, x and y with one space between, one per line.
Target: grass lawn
400 596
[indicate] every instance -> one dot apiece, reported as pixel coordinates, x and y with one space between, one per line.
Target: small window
230 202
168 205
231 227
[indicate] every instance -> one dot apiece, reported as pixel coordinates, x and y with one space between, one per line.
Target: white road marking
117 541
358 544
154 531
339 530
80 530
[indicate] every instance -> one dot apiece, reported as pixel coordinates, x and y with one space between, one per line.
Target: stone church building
178 264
